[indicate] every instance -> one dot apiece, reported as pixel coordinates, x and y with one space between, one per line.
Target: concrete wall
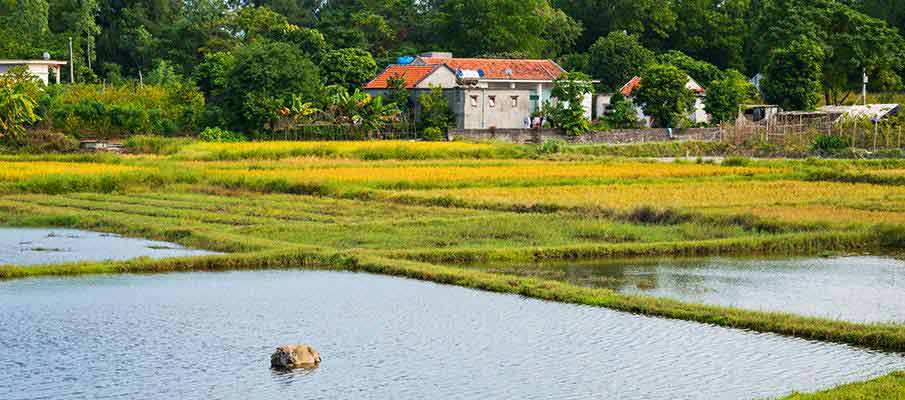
442 77
615 136
501 108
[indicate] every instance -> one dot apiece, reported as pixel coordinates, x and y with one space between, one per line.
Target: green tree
19 92
435 112
622 113
616 58
568 114
399 95
725 95
350 68
383 28
850 41
212 75
793 76
702 72
471 27
652 21
712 30
663 95
263 80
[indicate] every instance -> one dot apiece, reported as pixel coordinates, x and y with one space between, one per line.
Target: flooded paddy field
32 246
209 335
857 289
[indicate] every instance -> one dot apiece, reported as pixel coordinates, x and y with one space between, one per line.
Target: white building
483 93
41 69
698 113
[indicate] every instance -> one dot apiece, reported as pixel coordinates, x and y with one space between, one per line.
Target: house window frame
474 100
491 101
513 101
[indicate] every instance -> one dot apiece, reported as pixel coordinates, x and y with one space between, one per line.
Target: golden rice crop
441 175
15 171
834 215
854 199
371 150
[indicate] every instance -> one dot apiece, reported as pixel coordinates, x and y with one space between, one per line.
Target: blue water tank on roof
404 60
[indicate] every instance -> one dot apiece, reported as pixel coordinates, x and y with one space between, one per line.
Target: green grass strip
888 387
793 243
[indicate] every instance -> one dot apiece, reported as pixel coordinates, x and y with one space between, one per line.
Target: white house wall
37 70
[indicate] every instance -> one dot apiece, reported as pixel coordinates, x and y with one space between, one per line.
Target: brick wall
614 136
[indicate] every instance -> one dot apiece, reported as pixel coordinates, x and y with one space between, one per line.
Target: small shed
39 68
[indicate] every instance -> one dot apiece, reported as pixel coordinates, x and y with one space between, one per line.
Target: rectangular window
458 96
514 101
474 100
491 101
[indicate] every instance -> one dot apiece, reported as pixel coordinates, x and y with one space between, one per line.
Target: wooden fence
405 130
800 129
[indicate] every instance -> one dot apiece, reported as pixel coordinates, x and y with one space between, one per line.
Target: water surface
859 289
31 246
209 336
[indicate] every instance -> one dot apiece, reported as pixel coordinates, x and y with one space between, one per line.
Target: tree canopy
119 40
663 95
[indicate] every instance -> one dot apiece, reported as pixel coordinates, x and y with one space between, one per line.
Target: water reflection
861 289
210 335
31 246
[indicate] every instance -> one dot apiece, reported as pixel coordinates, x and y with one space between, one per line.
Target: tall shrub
263 80
19 93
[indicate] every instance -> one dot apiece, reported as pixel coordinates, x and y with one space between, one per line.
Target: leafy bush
623 113
220 135
569 113
736 162
551 146
123 110
826 145
432 133
18 100
152 144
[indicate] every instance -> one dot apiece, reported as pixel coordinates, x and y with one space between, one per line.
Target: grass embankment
888 387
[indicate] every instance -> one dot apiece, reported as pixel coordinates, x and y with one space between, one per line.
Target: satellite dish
508 72
46 55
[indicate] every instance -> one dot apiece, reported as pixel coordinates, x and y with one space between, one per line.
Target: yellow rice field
786 200
16 170
440 175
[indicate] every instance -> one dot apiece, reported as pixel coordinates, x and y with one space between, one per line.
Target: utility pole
71 70
864 87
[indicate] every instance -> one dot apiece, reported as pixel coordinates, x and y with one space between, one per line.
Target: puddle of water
858 289
31 246
210 335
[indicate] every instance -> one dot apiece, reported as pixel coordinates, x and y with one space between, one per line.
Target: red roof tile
497 68
412 74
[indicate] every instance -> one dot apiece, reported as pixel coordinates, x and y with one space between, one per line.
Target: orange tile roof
412 74
497 68
633 84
